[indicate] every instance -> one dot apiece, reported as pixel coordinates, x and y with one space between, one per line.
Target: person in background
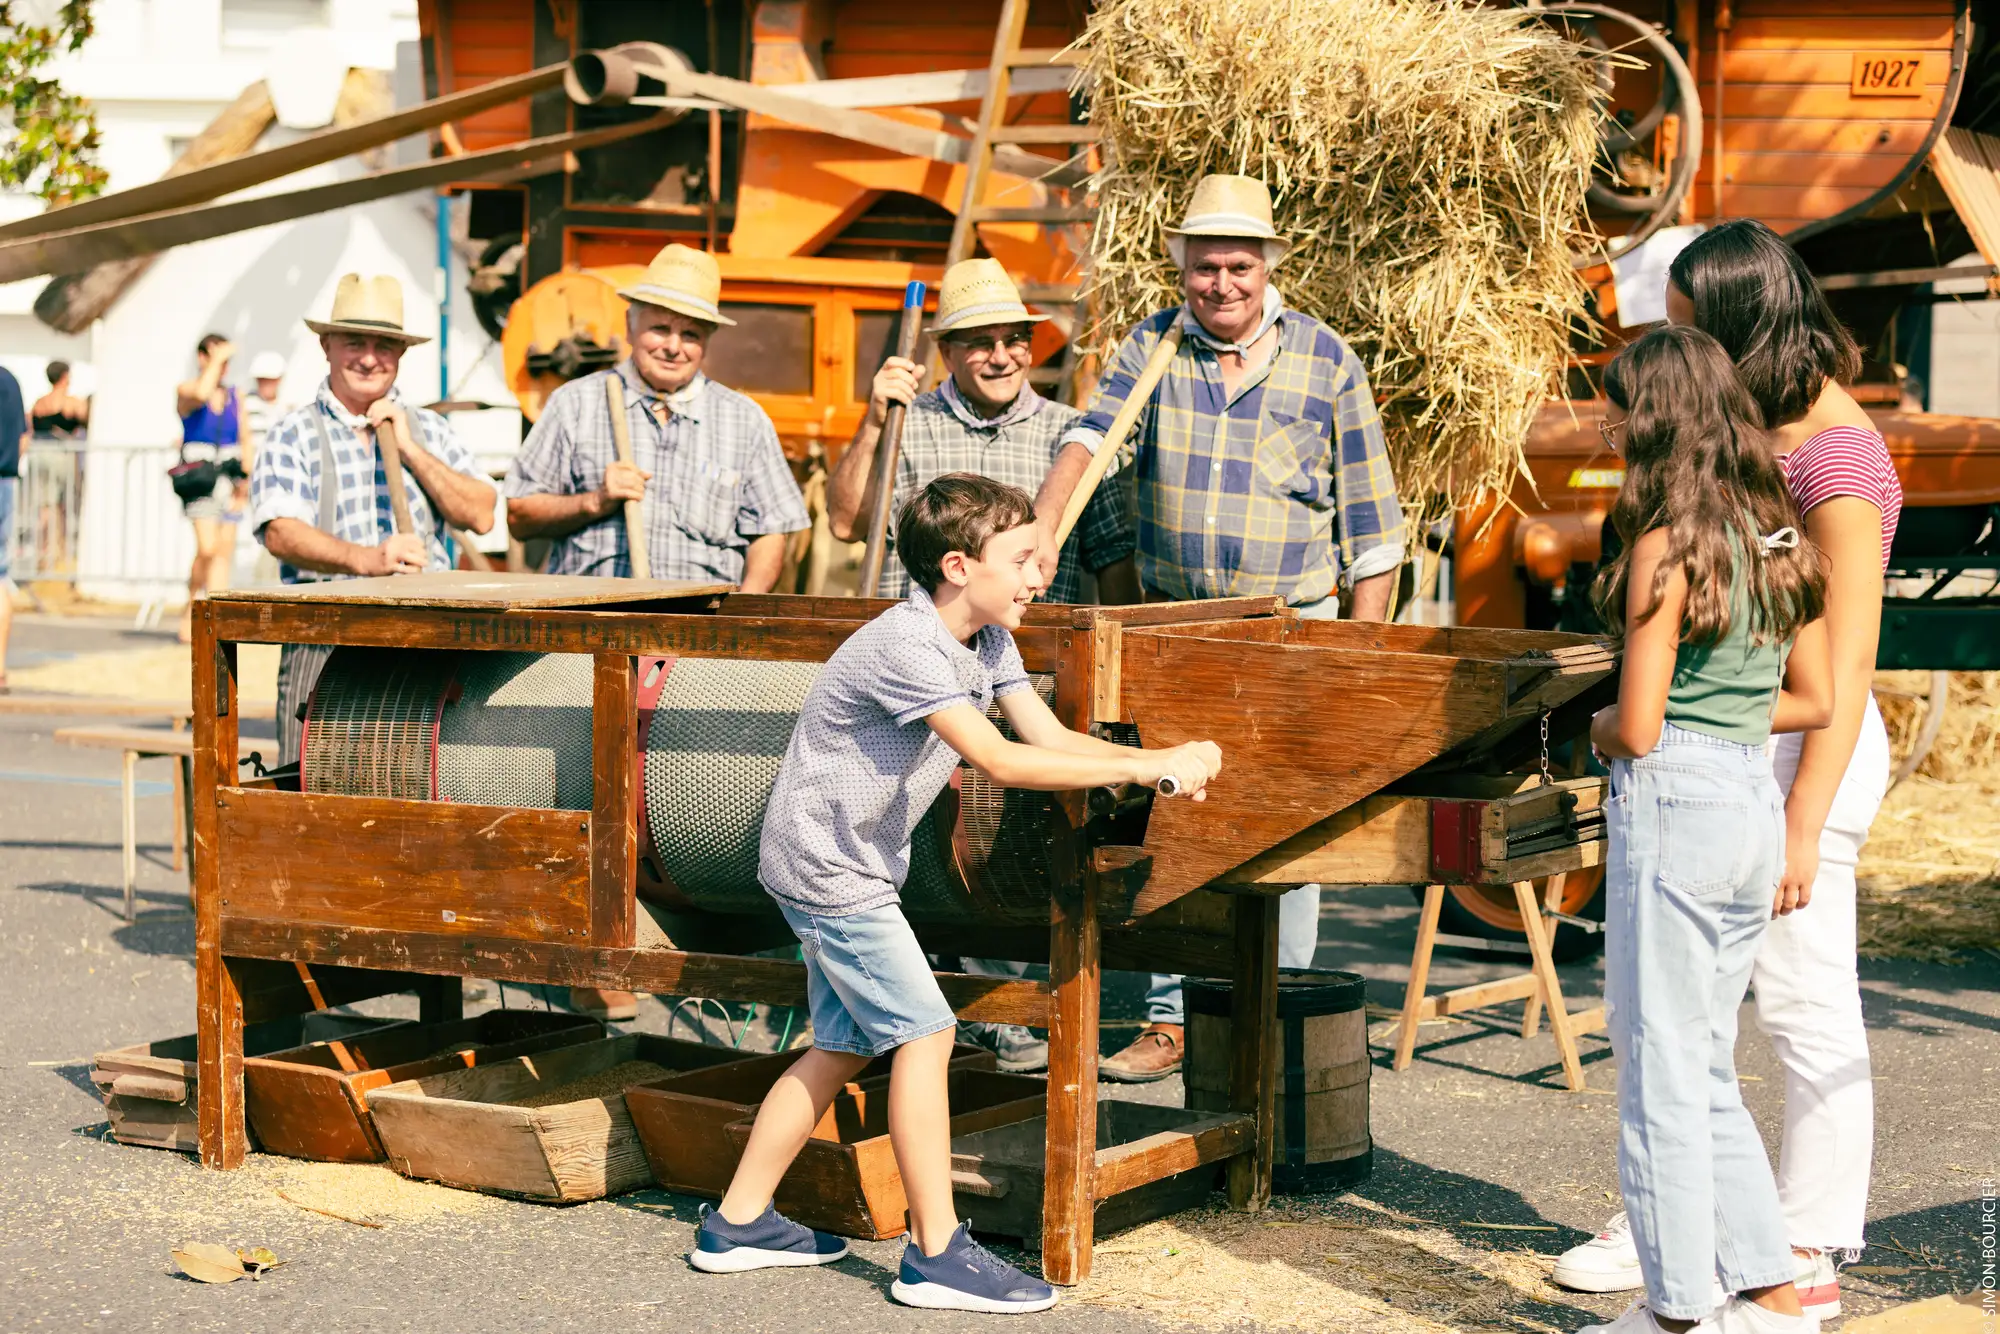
1262 471
13 439
717 495
983 418
212 432
261 409
319 498
717 498
59 412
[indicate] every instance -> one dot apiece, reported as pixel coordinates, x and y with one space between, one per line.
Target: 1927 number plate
1888 74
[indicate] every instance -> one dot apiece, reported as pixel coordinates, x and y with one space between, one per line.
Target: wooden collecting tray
464 1127
149 1087
312 1101
998 1175
683 1121
845 1179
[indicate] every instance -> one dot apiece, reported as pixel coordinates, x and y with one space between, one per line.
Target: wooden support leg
131 812
218 1001
1067 1224
1253 1044
181 766
1420 976
1550 988
440 1000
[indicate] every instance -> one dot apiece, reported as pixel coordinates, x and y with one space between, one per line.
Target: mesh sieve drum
519 732
372 723
513 729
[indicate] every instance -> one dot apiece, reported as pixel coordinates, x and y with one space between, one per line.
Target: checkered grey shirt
285 478
863 766
720 479
938 440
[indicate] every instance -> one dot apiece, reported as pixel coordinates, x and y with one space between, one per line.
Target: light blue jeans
1298 938
1697 843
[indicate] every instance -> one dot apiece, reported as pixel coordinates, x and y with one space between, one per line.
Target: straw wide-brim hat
976 293
368 306
684 280
1238 206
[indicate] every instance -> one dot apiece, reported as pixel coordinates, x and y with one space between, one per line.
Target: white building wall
158 71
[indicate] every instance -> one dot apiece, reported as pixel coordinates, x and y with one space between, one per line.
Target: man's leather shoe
1154 1054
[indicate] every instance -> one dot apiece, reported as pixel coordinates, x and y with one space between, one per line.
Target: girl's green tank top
1728 689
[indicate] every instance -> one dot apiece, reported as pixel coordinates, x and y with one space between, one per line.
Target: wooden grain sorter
500 770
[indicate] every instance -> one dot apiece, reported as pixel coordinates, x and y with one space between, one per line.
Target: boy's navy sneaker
965 1276
770 1241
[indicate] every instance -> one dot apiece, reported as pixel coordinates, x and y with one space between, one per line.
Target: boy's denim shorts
868 983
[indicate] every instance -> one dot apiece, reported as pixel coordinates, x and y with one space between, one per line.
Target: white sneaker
1608 1262
1638 1319
1739 1315
1818 1283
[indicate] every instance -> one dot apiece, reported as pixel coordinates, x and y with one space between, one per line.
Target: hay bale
1428 160
1929 877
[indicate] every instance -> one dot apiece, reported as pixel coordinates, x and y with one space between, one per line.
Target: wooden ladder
1540 986
992 131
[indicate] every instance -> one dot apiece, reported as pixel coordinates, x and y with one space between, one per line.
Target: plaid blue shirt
285 478
1284 488
720 479
1016 448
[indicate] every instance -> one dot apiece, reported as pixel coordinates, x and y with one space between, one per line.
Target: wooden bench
145 743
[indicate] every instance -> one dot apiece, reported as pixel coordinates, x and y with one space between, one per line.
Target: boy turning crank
890 716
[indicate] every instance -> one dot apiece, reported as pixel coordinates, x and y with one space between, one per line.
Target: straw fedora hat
367 306
1237 206
684 280
976 293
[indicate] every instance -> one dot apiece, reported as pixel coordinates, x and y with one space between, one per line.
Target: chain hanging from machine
1547 780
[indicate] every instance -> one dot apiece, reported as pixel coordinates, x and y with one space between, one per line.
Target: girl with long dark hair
1744 286
1713 589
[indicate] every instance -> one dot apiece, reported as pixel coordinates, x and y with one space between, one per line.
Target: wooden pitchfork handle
392 472
888 448
621 435
1121 426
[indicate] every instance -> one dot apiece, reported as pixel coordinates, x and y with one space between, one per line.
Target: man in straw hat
1262 470
319 494
717 496
983 418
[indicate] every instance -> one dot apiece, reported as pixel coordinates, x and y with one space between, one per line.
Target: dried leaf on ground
207 1262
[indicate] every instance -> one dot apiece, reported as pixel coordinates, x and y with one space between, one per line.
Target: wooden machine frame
295 909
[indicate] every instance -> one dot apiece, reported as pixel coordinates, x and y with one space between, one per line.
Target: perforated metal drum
513 729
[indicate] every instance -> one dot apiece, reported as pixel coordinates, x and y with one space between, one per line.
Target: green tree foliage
51 142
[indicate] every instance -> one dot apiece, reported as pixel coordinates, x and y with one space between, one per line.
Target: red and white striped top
1846 461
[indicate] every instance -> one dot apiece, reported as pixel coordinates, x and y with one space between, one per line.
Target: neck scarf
1274 305
1025 405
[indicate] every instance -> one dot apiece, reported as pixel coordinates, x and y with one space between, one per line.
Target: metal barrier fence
104 518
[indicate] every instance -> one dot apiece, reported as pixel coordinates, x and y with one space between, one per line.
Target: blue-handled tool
889 448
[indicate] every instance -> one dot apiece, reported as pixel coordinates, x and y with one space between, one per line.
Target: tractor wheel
1488 913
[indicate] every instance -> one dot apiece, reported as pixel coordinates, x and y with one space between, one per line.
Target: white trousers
1808 1000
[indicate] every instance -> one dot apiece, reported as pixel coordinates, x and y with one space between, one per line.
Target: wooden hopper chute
1314 716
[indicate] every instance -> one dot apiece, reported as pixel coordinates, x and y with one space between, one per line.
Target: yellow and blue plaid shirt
1282 488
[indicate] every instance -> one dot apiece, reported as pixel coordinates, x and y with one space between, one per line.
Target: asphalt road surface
1478 1129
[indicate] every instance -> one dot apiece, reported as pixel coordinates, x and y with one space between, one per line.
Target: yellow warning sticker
1596 479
